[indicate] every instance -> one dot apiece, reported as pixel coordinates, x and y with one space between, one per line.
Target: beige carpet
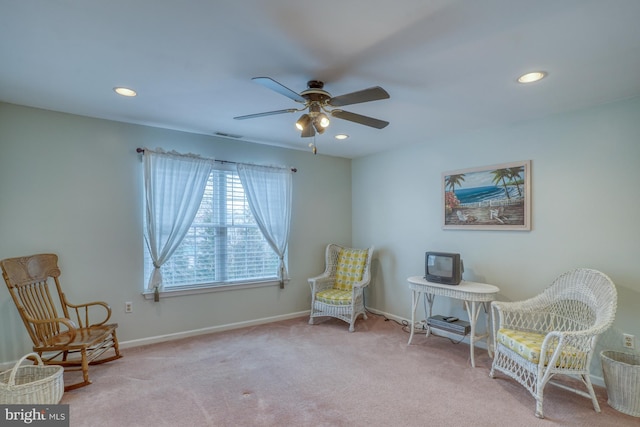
292 374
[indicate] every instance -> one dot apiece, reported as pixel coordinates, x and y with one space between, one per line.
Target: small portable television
443 267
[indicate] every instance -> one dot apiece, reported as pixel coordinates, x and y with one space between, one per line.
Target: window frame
200 288
176 291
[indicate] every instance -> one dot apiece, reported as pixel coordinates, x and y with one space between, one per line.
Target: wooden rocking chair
76 341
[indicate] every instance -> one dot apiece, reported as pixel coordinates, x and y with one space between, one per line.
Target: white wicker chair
554 332
339 291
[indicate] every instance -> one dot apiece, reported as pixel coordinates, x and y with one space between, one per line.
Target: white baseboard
211 329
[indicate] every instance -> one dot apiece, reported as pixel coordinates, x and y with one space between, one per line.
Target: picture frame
496 197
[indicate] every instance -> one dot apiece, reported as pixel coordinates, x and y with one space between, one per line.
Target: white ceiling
450 66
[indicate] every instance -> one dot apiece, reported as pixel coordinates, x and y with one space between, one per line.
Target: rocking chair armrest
85 306
70 324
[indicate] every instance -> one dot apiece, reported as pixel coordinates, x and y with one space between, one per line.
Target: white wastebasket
622 379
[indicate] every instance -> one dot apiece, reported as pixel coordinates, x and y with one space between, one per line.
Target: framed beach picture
494 197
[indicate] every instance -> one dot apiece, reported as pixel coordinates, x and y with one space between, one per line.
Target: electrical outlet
628 341
128 307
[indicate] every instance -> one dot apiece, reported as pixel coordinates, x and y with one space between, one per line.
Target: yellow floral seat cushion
529 346
334 297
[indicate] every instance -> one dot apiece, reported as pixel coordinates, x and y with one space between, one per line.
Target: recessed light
124 91
341 136
532 77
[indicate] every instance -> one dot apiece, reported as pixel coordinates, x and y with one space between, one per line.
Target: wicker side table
473 294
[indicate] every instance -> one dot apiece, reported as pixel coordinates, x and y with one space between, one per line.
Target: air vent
227 135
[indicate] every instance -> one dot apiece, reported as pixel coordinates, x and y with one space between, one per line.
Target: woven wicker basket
32 384
622 378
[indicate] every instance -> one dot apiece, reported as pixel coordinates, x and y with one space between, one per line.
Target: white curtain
268 190
174 184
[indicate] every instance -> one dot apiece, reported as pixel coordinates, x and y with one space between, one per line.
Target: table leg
487 310
415 297
429 298
472 312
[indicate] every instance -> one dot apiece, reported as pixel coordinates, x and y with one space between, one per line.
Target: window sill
203 289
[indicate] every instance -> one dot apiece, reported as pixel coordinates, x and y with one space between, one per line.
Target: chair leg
85 366
354 317
587 380
116 347
496 358
313 303
85 373
539 413
352 324
539 396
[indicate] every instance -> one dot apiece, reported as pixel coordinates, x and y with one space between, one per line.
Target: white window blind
224 245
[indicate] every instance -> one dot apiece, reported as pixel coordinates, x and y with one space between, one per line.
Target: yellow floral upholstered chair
339 291
554 332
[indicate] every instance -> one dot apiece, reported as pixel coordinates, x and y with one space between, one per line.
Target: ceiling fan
318 105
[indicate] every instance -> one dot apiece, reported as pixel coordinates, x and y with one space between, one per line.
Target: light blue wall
585 199
72 185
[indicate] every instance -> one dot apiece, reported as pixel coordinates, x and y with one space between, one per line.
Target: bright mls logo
37 415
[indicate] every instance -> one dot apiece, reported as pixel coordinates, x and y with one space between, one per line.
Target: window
224 245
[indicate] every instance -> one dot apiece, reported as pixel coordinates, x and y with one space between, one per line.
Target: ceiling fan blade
357 118
269 83
268 113
365 95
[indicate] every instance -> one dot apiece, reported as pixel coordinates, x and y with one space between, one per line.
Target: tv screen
443 267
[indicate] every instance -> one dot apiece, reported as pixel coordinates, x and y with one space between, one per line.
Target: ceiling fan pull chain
314 149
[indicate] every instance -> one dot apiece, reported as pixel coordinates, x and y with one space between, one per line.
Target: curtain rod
141 151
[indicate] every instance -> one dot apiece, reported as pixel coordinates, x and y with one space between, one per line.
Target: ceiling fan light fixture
532 77
318 128
303 122
323 120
